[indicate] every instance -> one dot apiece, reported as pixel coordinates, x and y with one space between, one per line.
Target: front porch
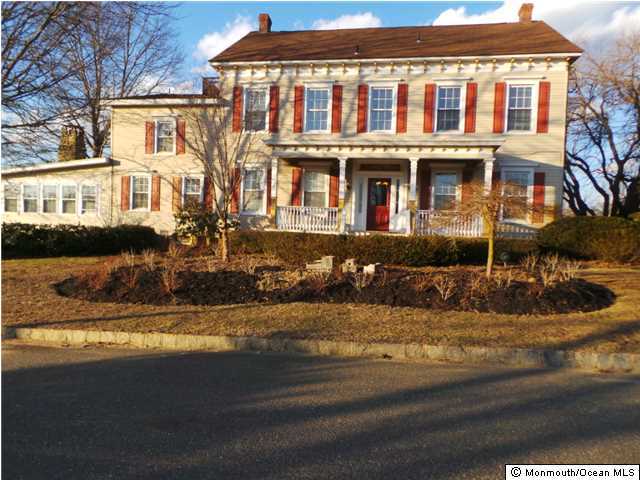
403 189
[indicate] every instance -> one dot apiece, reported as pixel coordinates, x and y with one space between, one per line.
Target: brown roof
400 42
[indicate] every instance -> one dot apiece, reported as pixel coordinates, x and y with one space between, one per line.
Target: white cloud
576 19
358 20
215 42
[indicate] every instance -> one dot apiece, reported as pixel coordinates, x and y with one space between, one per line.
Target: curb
513 357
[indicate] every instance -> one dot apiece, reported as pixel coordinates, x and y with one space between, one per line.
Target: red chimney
265 22
209 87
525 12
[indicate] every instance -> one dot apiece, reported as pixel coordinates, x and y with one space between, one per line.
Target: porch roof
452 146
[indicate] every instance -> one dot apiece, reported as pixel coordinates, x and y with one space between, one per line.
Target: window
69 199
253 190
381 109
89 199
255 112
317 109
445 191
315 189
11 195
192 191
30 198
516 188
49 199
140 193
165 136
519 109
448 109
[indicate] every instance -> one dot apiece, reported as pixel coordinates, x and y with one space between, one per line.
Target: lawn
28 299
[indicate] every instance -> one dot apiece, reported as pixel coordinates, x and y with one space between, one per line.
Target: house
360 130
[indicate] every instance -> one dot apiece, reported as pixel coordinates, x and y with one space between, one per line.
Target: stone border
513 357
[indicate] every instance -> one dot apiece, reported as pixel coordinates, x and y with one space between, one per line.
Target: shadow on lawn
232 415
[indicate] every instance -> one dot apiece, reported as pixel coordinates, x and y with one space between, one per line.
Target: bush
594 238
299 248
193 220
26 240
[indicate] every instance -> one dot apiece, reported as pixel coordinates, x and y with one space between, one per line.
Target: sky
207 28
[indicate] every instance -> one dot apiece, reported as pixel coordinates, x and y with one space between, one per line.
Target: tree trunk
491 238
223 246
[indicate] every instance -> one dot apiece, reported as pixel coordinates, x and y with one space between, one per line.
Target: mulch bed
458 289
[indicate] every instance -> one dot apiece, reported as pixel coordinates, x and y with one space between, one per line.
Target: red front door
378 200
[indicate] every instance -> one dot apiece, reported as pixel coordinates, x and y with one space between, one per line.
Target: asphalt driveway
112 413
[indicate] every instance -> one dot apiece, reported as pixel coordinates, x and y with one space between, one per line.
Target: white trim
37 185
267 100
530 173
58 191
340 61
146 102
462 107
77 206
523 77
318 86
535 87
263 209
394 105
70 164
131 182
452 79
80 197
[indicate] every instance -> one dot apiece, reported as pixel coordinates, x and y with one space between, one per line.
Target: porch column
274 190
488 181
342 186
411 202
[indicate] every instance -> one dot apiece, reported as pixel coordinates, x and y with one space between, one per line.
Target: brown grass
29 299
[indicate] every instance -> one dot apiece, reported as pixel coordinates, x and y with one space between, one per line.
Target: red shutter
237 109
298 104
177 193
543 107
296 187
498 107
334 181
425 185
538 198
467 179
149 134
470 108
207 194
125 185
403 96
180 136
235 195
155 193
363 94
429 106
274 104
336 110
268 189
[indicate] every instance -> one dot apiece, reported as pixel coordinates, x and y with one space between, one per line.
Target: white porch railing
307 219
451 224
516 230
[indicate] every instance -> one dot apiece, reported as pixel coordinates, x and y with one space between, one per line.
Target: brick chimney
209 87
526 9
72 146
265 22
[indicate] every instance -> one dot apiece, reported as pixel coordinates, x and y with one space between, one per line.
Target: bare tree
491 205
602 167
62 60
222 151
34 53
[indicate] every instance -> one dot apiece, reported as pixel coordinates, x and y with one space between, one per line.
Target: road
98 413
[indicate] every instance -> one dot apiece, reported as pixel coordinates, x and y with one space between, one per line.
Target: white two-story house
360 130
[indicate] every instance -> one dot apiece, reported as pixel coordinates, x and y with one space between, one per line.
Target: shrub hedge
298 248
595 238
25 240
